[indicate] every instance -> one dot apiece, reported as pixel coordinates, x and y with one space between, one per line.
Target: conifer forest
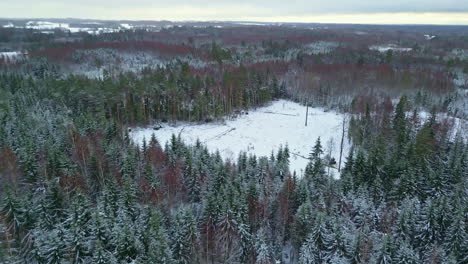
76 187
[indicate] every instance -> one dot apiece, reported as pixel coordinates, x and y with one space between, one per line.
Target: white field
13 55
48 27
9 25
385 48
429 37
262 131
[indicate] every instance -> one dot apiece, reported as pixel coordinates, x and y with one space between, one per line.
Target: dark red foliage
150 194
156 156
64 52
9 171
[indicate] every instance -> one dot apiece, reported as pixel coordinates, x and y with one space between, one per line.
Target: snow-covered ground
429 37
251 24
126 26
13 55
385 48
9 25
47 27
262 131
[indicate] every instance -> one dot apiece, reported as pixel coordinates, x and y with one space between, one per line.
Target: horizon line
231 21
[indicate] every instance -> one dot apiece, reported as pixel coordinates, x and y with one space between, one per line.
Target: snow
251 24
385 48
13 55
361 33
260 132
460 53
47 27
320 47
460 125
41 25
126 26
9 25
429 37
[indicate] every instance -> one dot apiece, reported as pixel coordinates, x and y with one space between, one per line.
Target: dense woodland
76 189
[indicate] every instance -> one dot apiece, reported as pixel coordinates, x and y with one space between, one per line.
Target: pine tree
29 165
192 180
11 216
405 226
400 122
78 234
128 197
309 253
262 248
435 254
159 251
302 223
427 225
101 256
322 237
360 170
52 246
384 256
354 248
246 243
317 151
128 167
227 241
210 215
185 237
100 229
50 206
457 239
405 254
124 239
346 179
338 243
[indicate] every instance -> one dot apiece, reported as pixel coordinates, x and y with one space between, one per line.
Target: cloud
263 10
292 7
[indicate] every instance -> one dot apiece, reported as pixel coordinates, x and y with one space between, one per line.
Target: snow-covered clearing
262 131
251 24
429 37
393 47
47 27
13 55
9 25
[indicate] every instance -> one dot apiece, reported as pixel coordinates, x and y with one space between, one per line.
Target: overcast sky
326 11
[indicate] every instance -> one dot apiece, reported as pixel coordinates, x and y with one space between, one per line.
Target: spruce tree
262 247
384 255
309 253
302 224
456 240
405 254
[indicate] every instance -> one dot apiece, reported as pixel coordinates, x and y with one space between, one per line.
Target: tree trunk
342 143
